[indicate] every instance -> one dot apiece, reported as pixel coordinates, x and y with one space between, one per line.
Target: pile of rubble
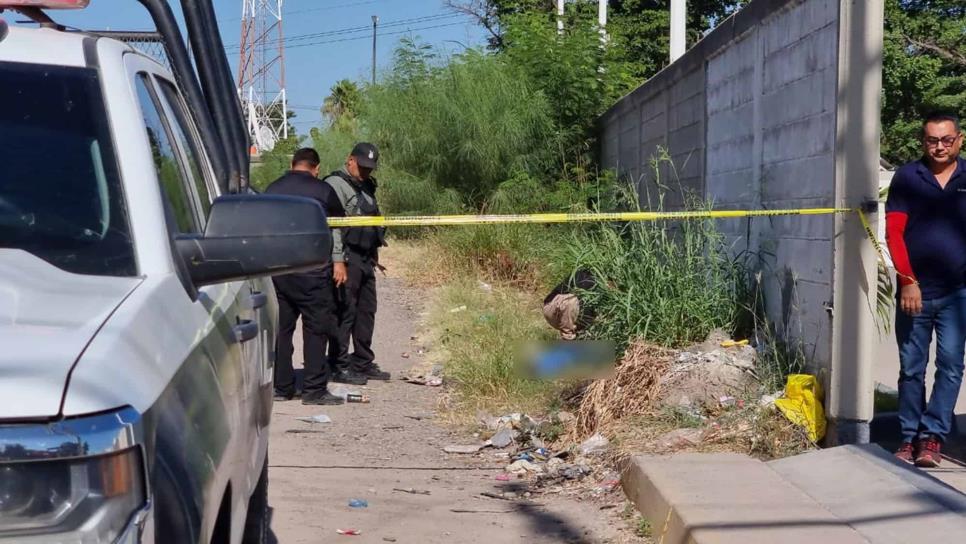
516 440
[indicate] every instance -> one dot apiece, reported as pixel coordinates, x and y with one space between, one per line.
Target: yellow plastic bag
802 404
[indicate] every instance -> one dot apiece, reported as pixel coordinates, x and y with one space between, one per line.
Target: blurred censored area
584 359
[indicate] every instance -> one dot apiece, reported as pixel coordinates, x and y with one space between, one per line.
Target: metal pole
560 14
679 18
375 24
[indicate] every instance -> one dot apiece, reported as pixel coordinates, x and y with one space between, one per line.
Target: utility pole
560 14
679 18
375 24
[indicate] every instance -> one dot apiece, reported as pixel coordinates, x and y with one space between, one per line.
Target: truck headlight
79 500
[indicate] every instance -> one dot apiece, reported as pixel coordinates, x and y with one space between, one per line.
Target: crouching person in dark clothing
307 294
562 308
355 255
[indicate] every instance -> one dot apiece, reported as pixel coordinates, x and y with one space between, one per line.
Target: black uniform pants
311 296
357 313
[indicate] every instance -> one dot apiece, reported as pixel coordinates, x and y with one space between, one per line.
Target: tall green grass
670 283
467 125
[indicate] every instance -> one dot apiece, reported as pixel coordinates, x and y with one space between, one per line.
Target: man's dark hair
307 156
940 117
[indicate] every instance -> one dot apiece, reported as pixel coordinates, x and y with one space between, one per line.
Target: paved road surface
370 449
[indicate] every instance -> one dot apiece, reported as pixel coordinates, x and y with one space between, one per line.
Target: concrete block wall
748 117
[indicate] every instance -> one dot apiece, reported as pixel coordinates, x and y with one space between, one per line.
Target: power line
353 30
407 31
324 8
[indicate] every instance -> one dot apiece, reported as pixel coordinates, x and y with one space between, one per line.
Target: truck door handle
245 331
258 299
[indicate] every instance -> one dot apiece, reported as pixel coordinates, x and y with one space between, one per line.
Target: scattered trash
431 381
405 356
503 477
388 539
734 343
504 438
608 506
523 465
576 472
463 448
318 418
457 309
352 532
594 445
768 401
358 503
677 439
727 401
485 318
486 287
802 404
357 397
500 496
412 491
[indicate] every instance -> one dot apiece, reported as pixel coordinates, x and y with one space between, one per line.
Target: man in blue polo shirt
926 233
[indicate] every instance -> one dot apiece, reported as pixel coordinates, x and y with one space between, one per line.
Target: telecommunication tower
261 73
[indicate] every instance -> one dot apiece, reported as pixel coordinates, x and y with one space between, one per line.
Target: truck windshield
60 193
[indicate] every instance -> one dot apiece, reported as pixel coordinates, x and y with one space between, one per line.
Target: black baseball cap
366 154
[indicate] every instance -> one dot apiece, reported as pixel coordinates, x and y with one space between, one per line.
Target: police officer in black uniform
355 256
307 294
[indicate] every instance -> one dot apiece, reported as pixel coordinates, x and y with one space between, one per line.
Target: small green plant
644 529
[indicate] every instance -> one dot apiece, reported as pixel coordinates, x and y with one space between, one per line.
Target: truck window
188 141
60 193
166 163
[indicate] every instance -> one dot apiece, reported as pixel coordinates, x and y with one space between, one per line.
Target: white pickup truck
137 319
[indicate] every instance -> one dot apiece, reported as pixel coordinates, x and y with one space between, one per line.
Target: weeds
668 284
478 333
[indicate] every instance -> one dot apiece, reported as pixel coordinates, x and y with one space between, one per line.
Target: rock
565 417
677 439
468 448
595 445
503 438
523 465
555 465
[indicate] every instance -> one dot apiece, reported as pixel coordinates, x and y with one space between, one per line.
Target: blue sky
312 67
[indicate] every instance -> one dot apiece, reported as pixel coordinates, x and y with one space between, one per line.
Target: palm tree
343 102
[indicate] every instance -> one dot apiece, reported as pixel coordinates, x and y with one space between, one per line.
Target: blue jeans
947 316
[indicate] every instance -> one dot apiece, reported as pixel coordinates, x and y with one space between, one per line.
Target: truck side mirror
249 236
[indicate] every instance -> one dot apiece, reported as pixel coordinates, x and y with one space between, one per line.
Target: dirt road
369 450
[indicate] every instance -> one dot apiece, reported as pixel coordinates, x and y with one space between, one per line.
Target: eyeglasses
947 141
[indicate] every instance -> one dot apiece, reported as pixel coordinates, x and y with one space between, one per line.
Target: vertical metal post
679 18
375 25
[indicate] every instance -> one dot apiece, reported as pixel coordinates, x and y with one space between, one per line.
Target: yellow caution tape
442 220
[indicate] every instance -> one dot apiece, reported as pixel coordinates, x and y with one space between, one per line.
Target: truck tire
257 521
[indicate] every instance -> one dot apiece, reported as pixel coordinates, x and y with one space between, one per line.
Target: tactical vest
363 240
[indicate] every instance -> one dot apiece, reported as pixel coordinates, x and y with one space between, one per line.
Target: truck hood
47 319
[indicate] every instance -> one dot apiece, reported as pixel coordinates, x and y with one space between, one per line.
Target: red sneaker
906 452
929 456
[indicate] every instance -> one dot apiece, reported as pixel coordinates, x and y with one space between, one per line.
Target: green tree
924 69
342 104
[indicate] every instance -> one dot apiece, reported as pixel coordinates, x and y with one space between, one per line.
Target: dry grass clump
629 392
